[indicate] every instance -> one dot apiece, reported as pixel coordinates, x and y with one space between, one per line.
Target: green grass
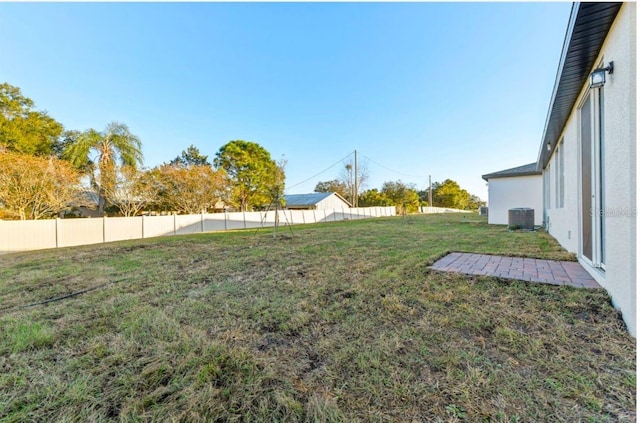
341 322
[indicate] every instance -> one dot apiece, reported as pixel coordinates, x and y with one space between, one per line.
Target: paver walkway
525 269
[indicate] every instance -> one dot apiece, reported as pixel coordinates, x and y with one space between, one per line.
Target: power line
422 177
426 183
395 171
320 173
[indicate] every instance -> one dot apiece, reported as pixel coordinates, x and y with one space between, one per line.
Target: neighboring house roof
589 24
308 200
525 170
86 198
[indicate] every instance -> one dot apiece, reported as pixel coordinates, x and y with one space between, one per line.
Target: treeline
47 171
405 196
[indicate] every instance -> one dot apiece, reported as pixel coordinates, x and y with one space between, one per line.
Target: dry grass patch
342 322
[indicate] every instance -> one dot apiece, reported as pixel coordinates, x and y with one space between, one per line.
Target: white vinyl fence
435 210
25 235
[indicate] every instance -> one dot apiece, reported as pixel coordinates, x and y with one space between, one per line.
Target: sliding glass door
592 179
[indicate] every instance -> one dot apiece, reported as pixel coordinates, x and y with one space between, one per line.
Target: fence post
104 224
244 219
175 231
142 224
57 231
202 221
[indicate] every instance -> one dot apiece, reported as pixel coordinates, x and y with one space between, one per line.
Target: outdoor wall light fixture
598 76
548 146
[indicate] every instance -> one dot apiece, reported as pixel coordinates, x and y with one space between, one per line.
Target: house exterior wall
563 222
619 133
331 202
512 192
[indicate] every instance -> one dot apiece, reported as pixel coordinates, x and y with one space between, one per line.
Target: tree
253 175
423 195
101 152
34 187
475 203
449 194
276 191
403 196
372 198
188 190
23 129
190 157
332 186
133 190
348 178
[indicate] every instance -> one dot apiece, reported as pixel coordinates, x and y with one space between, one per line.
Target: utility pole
430 189
355 178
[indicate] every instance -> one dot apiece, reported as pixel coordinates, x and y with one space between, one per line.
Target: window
560 175
547 187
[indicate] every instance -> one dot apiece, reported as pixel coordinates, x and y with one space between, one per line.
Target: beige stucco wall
514 192
563 223
620 146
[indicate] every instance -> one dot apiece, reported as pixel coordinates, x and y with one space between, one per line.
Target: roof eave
510 175
343 199
578 44
563 56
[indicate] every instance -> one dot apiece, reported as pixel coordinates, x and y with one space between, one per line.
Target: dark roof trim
588 26
524 170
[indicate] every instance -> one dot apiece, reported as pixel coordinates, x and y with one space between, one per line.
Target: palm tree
101 152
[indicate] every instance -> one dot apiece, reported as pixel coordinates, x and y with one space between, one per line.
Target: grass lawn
341 322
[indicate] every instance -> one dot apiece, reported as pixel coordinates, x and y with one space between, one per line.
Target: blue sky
452 90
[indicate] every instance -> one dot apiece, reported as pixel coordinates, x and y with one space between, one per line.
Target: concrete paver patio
525 269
